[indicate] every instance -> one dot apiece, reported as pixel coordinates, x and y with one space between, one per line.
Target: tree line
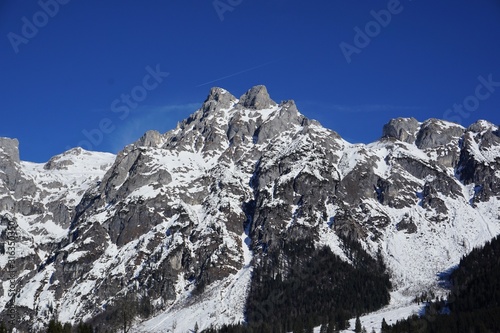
298 287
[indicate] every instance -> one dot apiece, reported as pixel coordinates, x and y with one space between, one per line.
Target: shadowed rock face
217 99
403 129
436 133
165 217
432 133
480 160
256 98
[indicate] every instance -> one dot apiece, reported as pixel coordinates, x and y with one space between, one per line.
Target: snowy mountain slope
176 223
40 199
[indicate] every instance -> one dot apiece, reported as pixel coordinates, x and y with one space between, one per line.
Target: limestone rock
403 129
256 98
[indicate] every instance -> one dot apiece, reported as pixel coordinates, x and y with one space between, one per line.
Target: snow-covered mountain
178 222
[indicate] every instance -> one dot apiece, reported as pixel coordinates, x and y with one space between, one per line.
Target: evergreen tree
127 310
331 326
357 325
66 328
57 327
385 327
84 328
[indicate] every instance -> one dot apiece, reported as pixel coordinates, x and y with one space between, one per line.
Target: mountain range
198 226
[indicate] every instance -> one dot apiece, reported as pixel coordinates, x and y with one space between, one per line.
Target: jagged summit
236 191
428 134
257 98
482 126
150 139
403 129
436 133
255 117
223 120
217 99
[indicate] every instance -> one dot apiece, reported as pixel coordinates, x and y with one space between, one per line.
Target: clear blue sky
62 79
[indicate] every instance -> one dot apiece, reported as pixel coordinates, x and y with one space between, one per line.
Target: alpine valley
246 213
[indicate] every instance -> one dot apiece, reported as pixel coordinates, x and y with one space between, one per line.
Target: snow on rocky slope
176 221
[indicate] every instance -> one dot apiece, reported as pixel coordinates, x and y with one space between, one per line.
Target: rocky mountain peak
150 139
482 126
10 148
436 133
487 136
254 118
256 98
403 129
432 133
62 161
217 99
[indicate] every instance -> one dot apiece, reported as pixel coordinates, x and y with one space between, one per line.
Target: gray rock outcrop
175 219
257 98
403 129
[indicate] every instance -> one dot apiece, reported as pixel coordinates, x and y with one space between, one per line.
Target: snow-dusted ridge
180 219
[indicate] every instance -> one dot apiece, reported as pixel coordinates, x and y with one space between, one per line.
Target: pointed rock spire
150 139
256 98
218 98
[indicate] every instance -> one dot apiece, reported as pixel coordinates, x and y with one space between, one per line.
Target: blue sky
65 69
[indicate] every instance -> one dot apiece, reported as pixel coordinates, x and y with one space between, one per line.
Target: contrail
234 74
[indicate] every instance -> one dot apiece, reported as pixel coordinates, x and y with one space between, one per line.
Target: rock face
256 98
402 129
177 222
480 160
150 139
10 149
435 133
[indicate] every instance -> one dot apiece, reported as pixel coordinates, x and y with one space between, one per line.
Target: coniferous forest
319 288
474 302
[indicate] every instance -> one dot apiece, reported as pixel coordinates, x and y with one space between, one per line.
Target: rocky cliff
179 223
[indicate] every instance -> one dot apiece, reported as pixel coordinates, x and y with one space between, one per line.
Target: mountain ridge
196 210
